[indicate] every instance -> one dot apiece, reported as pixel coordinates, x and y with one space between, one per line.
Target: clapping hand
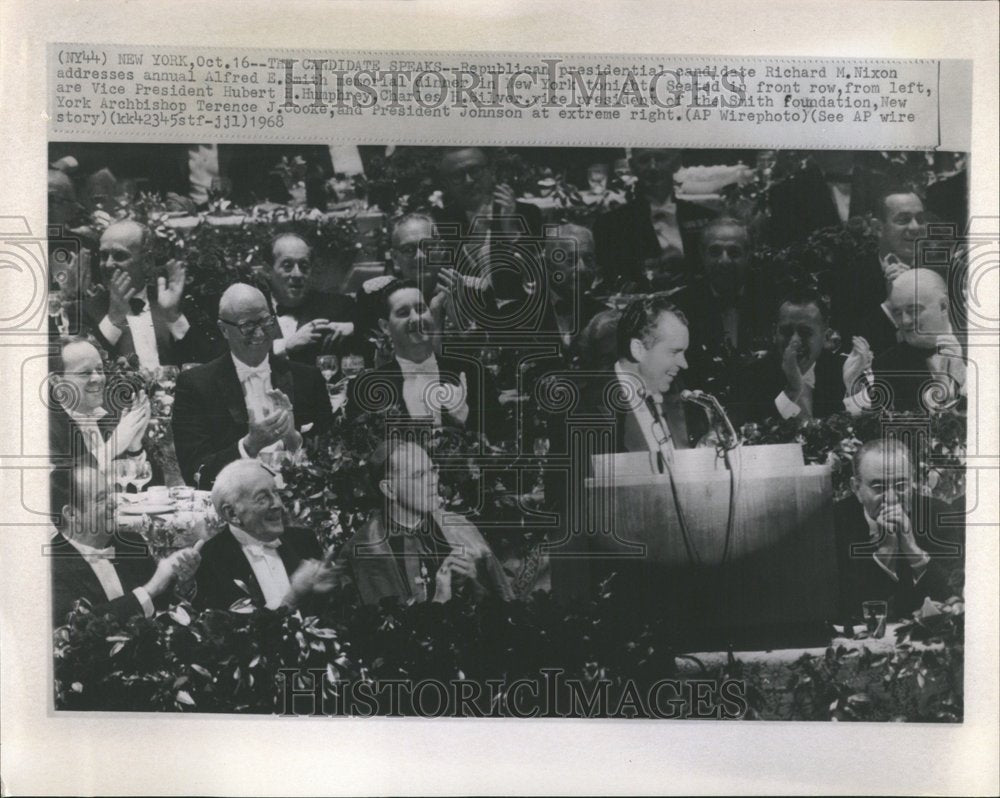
132 426
268 429
282 404
857 362
170 290
458 564
178 567
309 333
120 293
312 576
793 374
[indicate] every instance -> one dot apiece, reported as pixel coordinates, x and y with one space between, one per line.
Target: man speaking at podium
642 394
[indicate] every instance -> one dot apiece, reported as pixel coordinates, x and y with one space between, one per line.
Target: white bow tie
99 554
260 549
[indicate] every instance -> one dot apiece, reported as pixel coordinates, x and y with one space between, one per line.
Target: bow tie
136 305
261 549
99 554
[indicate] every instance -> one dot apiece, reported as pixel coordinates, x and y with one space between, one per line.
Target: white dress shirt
418 379
99 561
789 409
256 382
840 193
664 218
143 332
267 566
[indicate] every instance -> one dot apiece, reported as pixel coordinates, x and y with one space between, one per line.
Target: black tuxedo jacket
210 414
857 293
223 562
381 391
624 238
762 380
201 343
903 370
803 204
73 578
862 579
321 305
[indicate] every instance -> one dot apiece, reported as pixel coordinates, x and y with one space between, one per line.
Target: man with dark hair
113 572
418 383
800 377
247 400
859 295
411 549
143 312
312 322
652 338
652 239
889 547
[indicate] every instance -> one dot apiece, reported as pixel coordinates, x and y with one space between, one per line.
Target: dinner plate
146 509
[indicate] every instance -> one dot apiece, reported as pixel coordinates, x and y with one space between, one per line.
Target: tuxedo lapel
282 380
227 386
239 568
632 434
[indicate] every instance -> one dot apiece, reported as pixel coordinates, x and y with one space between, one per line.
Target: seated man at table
143 310
280 566
888 547
417 383
113 572
411 549
926 370
80 427
246 401
311 321
800 377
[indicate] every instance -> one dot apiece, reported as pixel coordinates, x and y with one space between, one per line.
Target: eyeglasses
459 176
249 329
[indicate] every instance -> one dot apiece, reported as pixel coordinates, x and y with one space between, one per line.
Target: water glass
874 613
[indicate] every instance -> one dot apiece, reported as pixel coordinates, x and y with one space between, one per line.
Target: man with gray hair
925 371
246 401
257 557
143 311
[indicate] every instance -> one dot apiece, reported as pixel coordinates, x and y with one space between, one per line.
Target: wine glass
142 474
124 472
328 366
352 365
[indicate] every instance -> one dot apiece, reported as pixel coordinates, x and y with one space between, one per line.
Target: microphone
710 402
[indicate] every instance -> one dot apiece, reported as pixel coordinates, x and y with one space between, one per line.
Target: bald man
246 401
142 312
925 371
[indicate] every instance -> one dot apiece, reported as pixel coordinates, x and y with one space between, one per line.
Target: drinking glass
352 365
328 366
874 613
124 472
141 474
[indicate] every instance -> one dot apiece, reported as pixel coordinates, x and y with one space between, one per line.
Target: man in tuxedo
859 295
419 384
312 322
411 549
799 377
245 401
652 339
926 370
571 278
279 566
889 547
113 572
143 317
81 429
498 238
651 241
829 190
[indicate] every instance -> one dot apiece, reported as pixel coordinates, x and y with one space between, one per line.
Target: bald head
238 299
247 323
919 304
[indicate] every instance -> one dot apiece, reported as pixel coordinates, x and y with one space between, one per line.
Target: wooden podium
771 566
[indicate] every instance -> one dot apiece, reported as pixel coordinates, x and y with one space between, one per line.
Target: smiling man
279 566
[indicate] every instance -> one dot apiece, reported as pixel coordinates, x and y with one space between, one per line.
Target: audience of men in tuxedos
312 322
142 310
418 383
926 370
412 549
800 377
892 544
113 572
859 294
257 557
246 401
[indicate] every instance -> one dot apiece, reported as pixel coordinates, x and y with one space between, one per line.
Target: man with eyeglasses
246 401
894 545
